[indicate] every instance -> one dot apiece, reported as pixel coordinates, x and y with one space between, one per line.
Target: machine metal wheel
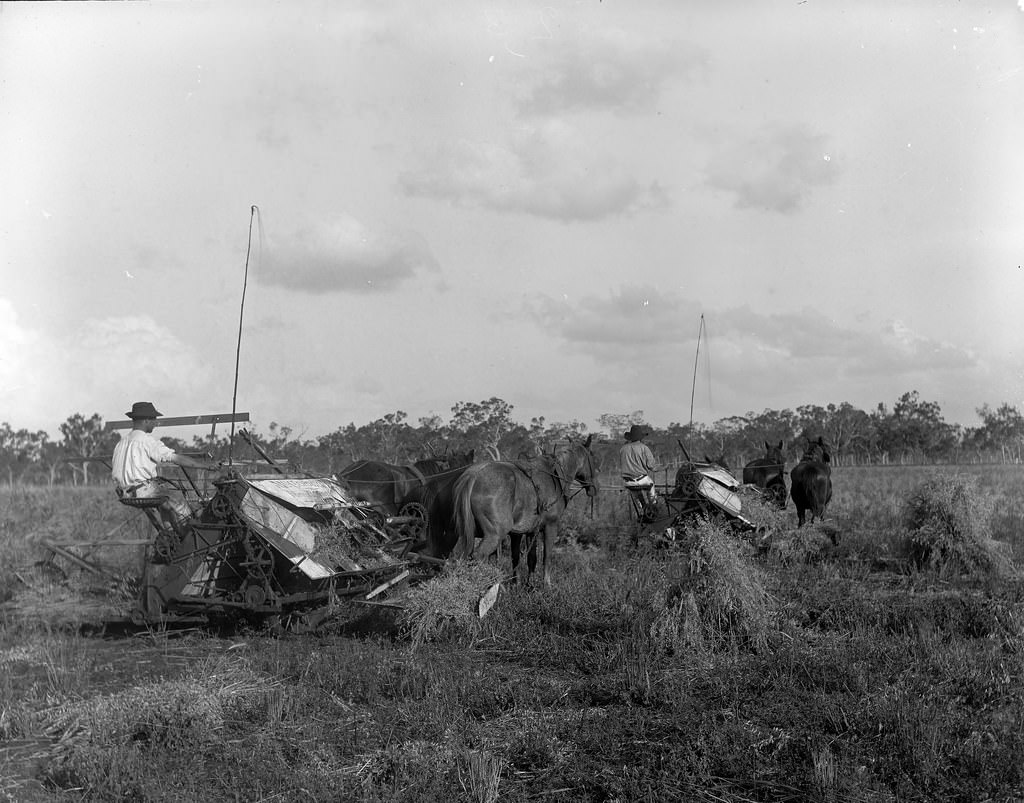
255 595
259 560
688 485
416 527
220 507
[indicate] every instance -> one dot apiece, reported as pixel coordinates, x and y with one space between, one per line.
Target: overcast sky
534 201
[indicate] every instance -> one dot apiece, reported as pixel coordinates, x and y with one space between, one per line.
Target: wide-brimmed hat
636 432
143 410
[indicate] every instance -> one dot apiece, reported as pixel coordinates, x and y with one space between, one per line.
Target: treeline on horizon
913 431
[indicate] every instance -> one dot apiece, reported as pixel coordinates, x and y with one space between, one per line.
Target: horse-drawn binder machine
267 542
700 489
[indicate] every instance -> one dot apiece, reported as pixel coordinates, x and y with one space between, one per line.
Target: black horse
387 487
812 481
768 473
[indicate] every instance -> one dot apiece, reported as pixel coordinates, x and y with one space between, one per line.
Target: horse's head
817 451
460 459
717 461
433 465
774 453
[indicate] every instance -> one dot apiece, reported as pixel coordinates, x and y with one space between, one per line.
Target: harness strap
536 489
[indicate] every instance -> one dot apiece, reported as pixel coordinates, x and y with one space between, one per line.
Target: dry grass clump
949 524
716 597
807 544
351 544
39 595
763 512
446 608
189 711
98 740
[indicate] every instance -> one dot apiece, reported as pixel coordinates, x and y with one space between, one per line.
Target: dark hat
636 432
143 410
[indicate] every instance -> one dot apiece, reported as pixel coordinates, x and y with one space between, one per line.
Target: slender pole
696 356
238 348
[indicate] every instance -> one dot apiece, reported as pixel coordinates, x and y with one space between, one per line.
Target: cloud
101 366
344 255
549 171
615 72
621 325
775 171
643 342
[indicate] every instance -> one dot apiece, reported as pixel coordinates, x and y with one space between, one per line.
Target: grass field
884 668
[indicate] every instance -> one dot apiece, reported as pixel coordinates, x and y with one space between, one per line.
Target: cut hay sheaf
715 596
808 544
949 522
351 544
189 711
447 607
761 511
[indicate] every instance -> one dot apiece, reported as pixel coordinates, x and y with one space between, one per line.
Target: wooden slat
184 421
57 549
123 542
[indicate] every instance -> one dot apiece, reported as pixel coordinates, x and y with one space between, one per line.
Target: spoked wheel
415 526
259 562
688 485
220 507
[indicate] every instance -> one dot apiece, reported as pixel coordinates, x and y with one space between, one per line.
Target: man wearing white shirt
136 458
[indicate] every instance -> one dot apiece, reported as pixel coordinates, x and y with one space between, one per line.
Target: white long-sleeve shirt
136 458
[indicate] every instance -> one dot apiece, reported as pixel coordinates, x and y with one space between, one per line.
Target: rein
419 475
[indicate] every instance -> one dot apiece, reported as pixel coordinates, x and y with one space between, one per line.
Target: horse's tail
812 486
465 522
822 493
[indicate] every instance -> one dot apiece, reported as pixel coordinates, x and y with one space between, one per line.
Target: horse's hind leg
531 556
492 530
515 549
550 532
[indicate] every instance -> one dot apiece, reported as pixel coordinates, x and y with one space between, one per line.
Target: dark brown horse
437 497
768 473
387 486
812 481
496 499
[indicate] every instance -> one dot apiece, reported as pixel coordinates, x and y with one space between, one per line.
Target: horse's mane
551 463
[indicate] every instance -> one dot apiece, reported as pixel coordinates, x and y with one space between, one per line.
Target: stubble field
885 668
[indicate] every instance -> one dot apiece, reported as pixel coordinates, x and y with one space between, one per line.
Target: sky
321 213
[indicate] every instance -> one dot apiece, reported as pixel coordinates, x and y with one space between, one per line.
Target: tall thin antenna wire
238 349
696 356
